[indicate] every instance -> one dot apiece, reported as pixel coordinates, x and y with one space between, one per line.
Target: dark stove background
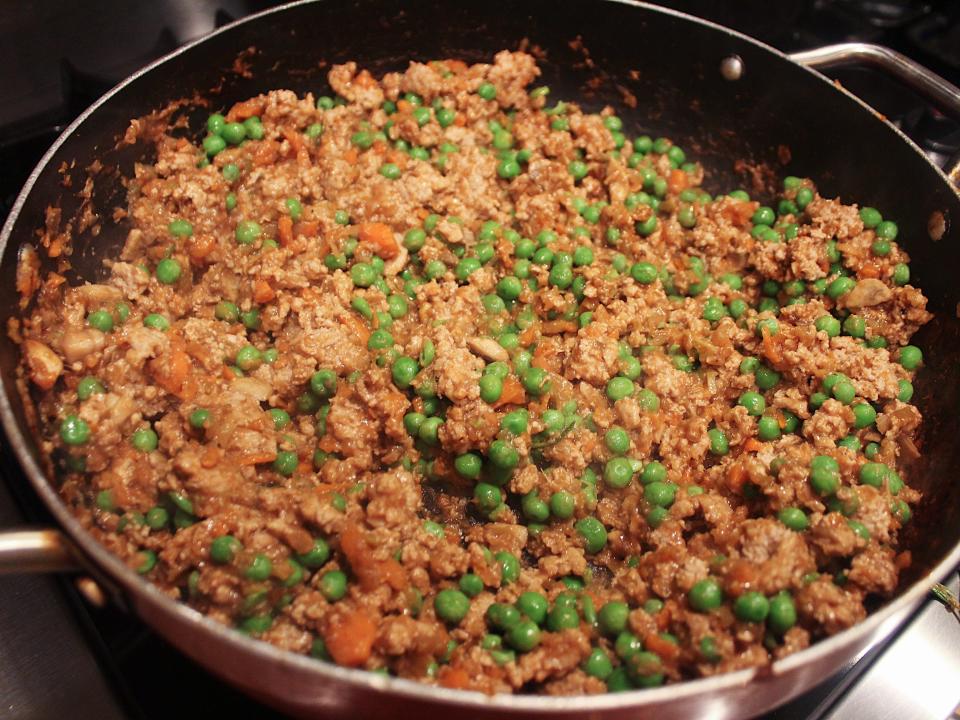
60 657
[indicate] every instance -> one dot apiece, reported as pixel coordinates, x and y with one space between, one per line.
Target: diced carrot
752 445
308 228
350 155
736 477
257 458
56 247
903 560
558 327
364 79
404 106
380 237
771 348
397 157
328 443
200 246
421 213
358 327
370 571
266 153
677 181
455 66
459 120
351 640
512 393
246 109
869 270
210 457
529 335
739 213
285 230
455 678
262 291
170 371
664 648
295 139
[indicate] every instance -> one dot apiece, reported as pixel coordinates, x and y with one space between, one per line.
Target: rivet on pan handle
939 91
38 550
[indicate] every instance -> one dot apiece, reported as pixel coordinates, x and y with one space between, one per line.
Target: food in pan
441 378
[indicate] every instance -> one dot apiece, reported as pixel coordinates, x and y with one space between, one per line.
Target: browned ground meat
405 358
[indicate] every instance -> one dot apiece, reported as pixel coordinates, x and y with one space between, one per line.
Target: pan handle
944 94
35 550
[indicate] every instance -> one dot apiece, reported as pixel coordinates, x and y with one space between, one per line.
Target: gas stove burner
883 13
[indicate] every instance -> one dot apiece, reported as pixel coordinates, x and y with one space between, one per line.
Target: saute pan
733 103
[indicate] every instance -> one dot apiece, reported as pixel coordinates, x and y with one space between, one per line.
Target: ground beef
439 377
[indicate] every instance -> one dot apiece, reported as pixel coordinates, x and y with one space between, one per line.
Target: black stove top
62 657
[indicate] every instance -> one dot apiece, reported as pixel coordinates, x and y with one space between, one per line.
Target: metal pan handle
942 93
35 550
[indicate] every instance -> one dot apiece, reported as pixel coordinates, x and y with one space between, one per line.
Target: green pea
644 273
904 391
471 585
379 340
503 455
157 518
887 230
316 556
612 618
469 464
451 606
148 562
100 320
646 227
910 357
705 595
794 518
593 533
751 607
768 429
617 440
248 358
333 585
429 429
901 274
534 508
390 171
224 548
618 472
619 388
753 402
841 286
844 392
855 326
213 144
536 381
562 505
285 463
563 617
783 613
534 606
871 217
230 202
598 664
323 383
864 415
764 216
824 475
247 232
766 378
660 494
145 439
259 569
828 324
515 422
719 445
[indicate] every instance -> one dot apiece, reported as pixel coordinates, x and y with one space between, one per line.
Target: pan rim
144 591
